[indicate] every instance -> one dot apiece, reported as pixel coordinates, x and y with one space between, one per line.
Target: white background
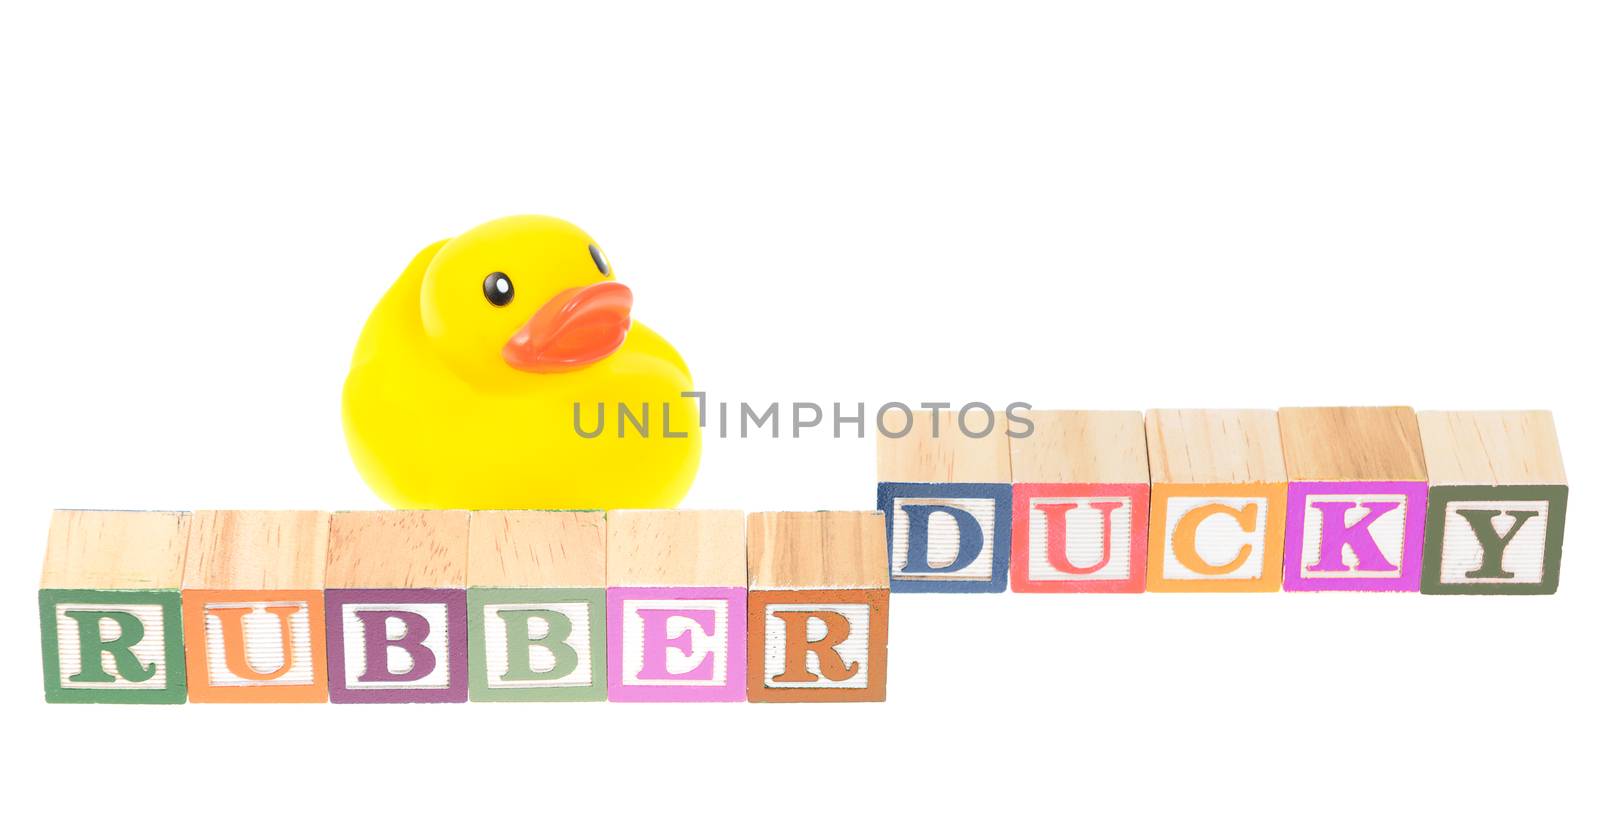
1105 205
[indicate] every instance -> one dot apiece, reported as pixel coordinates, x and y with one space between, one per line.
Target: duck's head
524 293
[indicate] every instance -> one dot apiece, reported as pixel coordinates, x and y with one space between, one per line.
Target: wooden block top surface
537 549
831 549
1214 446
675 549
266 550
1352 443
1491 448
115 550
398 549
1082 447
951 457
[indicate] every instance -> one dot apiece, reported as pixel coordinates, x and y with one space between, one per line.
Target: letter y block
1497 503
946 499
819 607
675 605
397 607
1358 496
109 608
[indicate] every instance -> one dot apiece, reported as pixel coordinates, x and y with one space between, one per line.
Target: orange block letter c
1183 541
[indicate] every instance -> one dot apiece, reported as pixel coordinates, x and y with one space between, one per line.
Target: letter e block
1080 504
397 607
252 607
1358 497
675 605
109 609
536 623
819 607
946 499
1497 503
1217 490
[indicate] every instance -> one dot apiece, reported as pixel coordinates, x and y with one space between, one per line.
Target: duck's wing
398 316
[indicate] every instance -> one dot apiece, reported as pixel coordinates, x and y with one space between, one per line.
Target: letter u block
252 607
1358 496
819 607
1217 491
1080 504
109 610
1497 503
536 621
675 605
946 499
397 607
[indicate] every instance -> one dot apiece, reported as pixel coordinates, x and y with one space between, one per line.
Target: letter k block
1358 493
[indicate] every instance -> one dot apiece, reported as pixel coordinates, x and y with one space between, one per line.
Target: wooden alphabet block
397 607
1217 490
946 498
536 626
1080 503
109 610
675 605
252 607
1497 503
819 607
1358 496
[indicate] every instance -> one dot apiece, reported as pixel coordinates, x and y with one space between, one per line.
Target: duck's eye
599 260
497 288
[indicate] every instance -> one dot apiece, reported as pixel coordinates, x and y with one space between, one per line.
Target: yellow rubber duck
462 390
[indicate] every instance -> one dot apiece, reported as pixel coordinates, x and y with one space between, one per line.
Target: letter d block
1358 496
536 623
1217 488
1497 504
819 607
946 499
252 607
397 607
109 610
675 605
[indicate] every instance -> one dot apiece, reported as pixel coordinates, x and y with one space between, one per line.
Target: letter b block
536 609
1497 504
675 605
397 607
819 607
109 609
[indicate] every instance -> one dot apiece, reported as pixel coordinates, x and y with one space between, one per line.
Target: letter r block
1216 500
397 607
675 605
819 607
109 608
536 608
1357 499
1497 503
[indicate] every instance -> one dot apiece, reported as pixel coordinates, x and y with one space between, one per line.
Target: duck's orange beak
575 328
